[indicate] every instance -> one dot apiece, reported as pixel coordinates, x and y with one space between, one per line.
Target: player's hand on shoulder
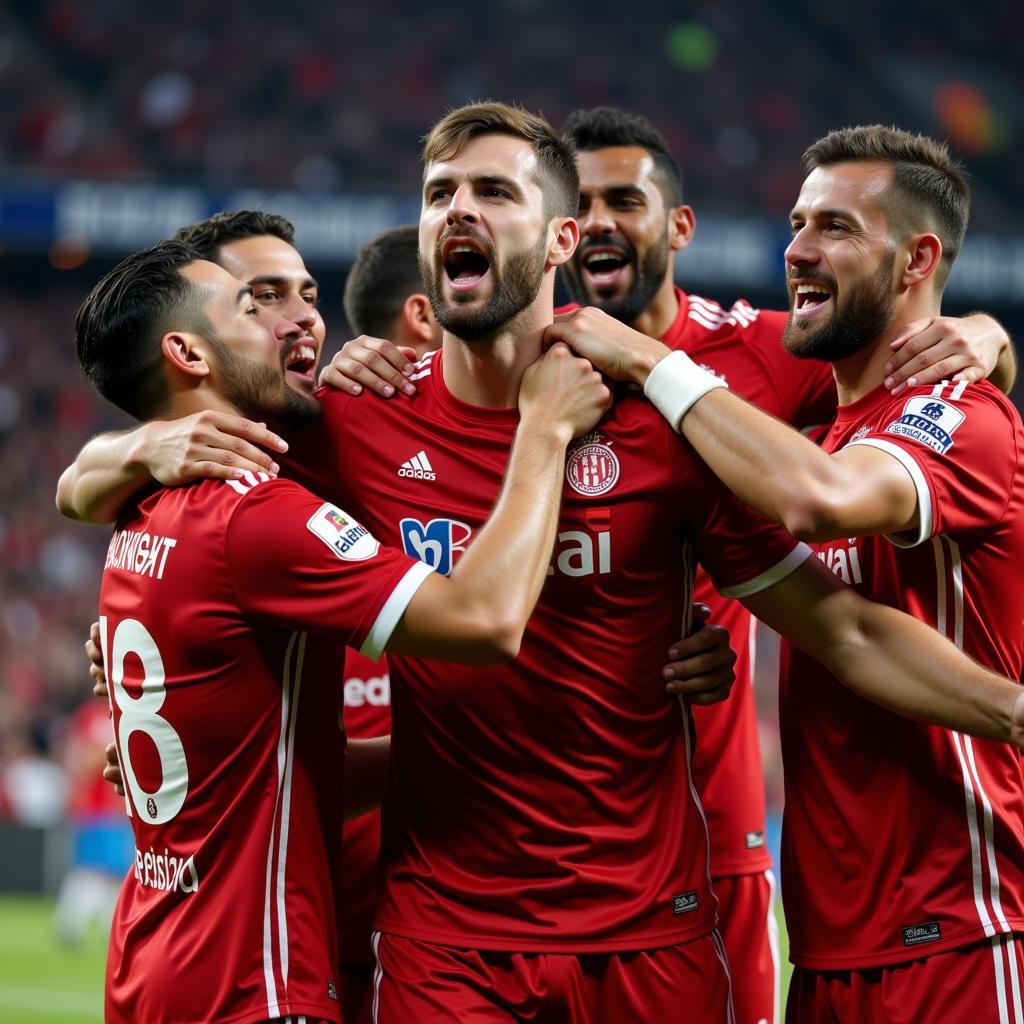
372 363
702 665
208 444
112 770
564 389
617 350
94 653
944 348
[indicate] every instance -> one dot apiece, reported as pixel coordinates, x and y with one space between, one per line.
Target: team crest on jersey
928 420
437 543
342 534
592 467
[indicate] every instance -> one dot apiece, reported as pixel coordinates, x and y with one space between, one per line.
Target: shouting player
632 221
224 610
544 850
903 853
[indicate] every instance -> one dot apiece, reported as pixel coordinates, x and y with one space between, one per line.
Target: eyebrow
827 215
487 180
279 281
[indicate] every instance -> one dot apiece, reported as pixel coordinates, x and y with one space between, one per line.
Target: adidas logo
418 468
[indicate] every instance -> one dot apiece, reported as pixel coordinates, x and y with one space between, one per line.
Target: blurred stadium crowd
193 92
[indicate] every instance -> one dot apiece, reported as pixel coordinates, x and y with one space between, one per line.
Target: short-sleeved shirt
902 839
545 804
224 611
743 346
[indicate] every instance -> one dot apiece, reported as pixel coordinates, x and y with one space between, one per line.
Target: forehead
613 166
504 156
859 188
262 256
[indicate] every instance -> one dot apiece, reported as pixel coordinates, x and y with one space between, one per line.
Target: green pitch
42 982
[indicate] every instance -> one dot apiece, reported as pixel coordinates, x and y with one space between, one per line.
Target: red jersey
90 796
367 714
545 805
903 839
743 346
224 611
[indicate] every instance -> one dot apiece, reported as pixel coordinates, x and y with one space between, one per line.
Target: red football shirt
902 839
224 611
367 714
743 346
545 804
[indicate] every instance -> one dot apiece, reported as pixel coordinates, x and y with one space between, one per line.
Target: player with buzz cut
903 843
632 222
224 611
544 850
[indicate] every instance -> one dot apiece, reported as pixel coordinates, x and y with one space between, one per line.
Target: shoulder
740 319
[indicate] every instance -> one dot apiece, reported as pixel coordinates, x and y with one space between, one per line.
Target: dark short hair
929 187
207 236
119 327
556 158
386 272
602 127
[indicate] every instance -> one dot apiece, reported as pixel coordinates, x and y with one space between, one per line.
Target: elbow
496 639
815 515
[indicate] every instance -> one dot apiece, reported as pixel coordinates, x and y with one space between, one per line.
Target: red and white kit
224 611
545 805
904 840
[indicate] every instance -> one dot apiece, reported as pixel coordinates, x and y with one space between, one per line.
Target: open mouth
810 298
604 267
300 362
465 263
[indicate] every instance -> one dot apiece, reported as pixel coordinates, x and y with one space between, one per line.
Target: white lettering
140 553
574 554
375 691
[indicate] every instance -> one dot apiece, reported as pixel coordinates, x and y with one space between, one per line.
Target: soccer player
903 845
224 610
632 221
544 850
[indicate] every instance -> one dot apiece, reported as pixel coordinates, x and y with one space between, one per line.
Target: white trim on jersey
424 367
387 618
273 897
771 576
248 482
716 938
773 944
378 975
924 494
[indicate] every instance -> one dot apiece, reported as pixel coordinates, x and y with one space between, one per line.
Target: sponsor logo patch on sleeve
342 534
929 421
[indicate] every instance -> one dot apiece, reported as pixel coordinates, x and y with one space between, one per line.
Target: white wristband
676 383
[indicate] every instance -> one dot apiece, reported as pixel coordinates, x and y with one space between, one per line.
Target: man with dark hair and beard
903 843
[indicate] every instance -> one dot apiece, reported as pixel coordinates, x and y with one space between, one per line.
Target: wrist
543 426
676 383
643 359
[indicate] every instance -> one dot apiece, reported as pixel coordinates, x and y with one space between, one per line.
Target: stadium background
117 127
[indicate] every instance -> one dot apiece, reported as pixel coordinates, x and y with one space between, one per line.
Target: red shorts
428 984
746 920
979 984
355 993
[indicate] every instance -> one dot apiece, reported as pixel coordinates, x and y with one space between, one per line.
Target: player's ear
682 222
920 259
563 237
186 352
419 317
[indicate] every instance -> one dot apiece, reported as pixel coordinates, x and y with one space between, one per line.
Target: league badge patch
592 467
928 420
342 534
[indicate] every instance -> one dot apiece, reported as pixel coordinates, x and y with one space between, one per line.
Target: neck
660 313
486 372
865 370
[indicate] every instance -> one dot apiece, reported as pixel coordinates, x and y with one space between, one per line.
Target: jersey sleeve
742 551
805 388
304 563
316 451
961 444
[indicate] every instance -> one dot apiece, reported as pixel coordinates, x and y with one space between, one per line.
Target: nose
462 208
800 252
597 219
300 312
285 328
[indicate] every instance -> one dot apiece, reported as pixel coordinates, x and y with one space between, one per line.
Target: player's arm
770 466
479 613
972 348
889 657
113 467
366 771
